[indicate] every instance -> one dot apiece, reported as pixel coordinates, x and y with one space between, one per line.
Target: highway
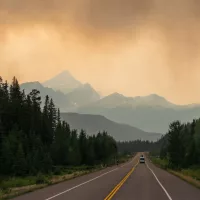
129 181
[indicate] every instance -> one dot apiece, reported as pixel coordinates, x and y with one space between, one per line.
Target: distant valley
92 124
151 113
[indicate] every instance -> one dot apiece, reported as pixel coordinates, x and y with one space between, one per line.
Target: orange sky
129 46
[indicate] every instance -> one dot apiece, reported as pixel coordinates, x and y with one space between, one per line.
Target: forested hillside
34 140
129 147
182 144
179 148
94 123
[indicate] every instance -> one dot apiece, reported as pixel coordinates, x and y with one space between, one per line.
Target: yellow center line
114 191
116 187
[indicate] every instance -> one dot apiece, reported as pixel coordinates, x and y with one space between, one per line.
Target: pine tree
6 158
20 167
197 142
83 146
47 163
15 102
46 106
47 132
36 100
74 149
58 116
5 110
60 146
15 93
33 139
90 153
52 114
175 144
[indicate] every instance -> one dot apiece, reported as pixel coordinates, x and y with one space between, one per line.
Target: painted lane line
169 197
81 184
119 185
115 188
68 190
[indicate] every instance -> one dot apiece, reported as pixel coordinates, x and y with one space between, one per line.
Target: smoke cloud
135 47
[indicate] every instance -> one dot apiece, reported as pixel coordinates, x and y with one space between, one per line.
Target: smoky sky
101 14
156 40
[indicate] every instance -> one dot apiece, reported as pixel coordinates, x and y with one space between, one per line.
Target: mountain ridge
63 81
149 113
94 123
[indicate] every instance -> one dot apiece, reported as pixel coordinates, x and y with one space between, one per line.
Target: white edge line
169 197
86 182
81 184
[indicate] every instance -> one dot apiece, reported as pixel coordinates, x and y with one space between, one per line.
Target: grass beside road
162 163
14 186
191 175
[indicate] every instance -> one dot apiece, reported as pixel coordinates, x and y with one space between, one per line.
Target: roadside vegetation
180 151
38 148
181 146
191 174
14 186
129 147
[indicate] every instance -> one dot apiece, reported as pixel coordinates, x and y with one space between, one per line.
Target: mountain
60 99
83 95
149 113
95 123
147 118
64 82
116 99
153 100
112 101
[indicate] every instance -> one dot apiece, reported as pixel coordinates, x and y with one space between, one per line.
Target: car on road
142 159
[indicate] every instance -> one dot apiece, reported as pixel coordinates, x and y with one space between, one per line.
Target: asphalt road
128 181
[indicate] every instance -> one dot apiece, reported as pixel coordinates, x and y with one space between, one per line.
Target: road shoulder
177 188
189 179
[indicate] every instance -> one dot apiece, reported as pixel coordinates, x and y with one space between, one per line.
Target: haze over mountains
64 82
151 113
95 123
67 93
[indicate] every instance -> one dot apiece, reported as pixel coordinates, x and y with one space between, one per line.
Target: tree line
35 139
129 147
181 144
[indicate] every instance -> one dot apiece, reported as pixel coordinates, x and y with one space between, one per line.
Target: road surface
130 181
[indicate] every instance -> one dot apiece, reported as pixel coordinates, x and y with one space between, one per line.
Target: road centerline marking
115 188
81 184
169 197
68 190
119 185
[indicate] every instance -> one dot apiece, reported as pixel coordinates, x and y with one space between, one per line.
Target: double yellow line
114 191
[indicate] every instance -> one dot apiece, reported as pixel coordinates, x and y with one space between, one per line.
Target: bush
163 163
41 179
57 170
193 172
17 182
4 187
68 171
